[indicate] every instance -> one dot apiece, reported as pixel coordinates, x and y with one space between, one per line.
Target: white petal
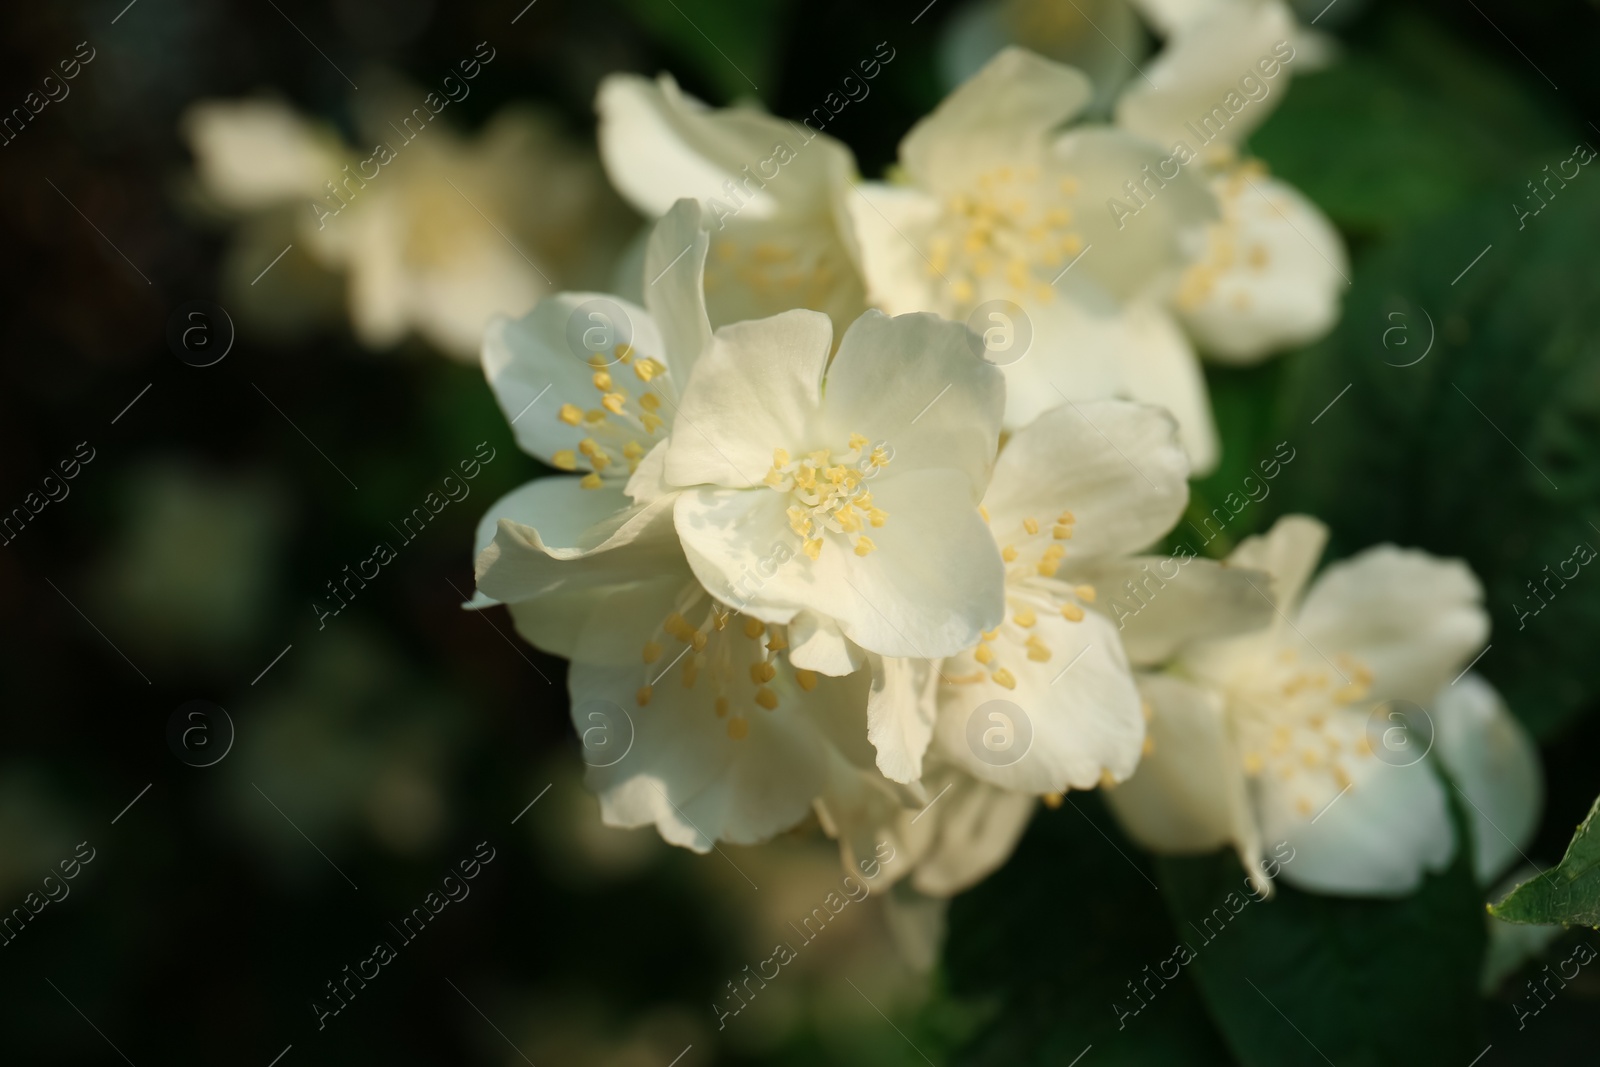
933 584
1280 276
1198 76
892 227
1117 467
660 145
1175 601
1375 839
755 390
1288 553
686 775
674 285
900 714
1188 794
1494 762
817 644
1068 721
1133 245
914 383
1001 114
578 537
1413 619
537 363
977 828
257 153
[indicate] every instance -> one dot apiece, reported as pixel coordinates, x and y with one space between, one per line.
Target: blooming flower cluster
849 474
824 548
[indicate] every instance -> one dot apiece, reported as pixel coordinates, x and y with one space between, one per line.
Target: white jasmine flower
691 717
1074 494
999 204
773 192
1291 732
435 232
589 381
1269 273
843 496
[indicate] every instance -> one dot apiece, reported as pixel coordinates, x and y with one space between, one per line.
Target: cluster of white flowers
853 470
822 549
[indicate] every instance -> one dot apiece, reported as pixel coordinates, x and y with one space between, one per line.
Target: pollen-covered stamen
1013 224
1224 248
739 669
623 425
1302 720
829 493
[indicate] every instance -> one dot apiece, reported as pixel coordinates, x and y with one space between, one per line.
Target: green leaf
1304 978
1569 893
1052 941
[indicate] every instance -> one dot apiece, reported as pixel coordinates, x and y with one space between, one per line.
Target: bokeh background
378 751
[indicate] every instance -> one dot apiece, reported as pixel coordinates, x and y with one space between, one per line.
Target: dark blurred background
376 752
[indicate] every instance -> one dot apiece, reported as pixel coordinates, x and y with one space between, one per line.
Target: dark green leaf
1568 893
1310 979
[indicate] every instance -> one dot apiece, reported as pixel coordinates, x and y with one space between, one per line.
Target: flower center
1014 224
1292 717
725 659
828 492
623 427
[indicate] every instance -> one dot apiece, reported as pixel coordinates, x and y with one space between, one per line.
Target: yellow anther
1031 525
642 696
648 368
652 651
983 654
1052 800
1253 763
754 628
776 642
1085 593
1048 566
1009 553
1061 533
1066 518
864 545
590 481
1038 651
812 548
633 450
1149 745
613 402
983 511
650 402
1024 617
652 423
738 729
1107 779
763 671
780 457
571 414
807 680
697 641
679 627
1072 613
594 415
877 516
766 698
722 707
623 352
1003 678
602 381
857 442
566 460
